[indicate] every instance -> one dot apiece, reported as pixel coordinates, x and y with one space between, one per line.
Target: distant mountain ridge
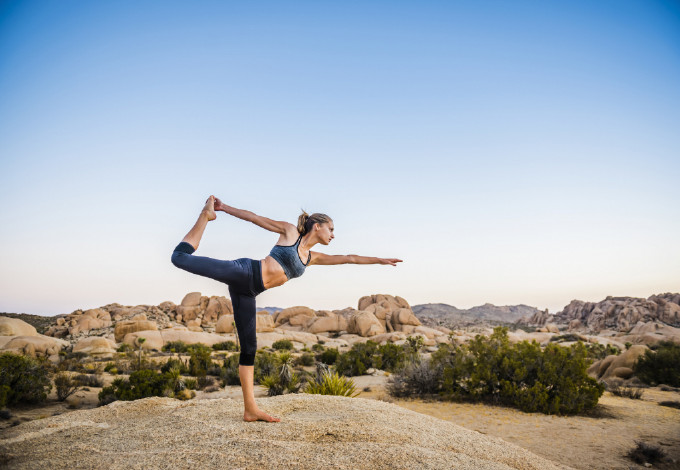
444 315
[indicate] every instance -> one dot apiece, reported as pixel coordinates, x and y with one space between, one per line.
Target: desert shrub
362 356
328 356
200 359
283 344
190 384
65 385
175 364
318 347
88 380
415 344
660 366
552 380
626 392
597 351
175 346
628 344
265 364
393 356
205 381
23 379
146 383
420 379
672 404
225 346
332 384
123 348
111 368
283 378
645 453
305 360
229 371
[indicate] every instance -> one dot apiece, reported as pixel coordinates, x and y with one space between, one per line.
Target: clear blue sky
508 152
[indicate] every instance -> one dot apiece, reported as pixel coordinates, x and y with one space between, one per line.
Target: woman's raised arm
277 226
324 259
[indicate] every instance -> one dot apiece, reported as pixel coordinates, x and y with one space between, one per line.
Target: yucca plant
332 384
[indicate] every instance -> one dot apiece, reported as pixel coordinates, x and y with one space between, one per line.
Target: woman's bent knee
182 252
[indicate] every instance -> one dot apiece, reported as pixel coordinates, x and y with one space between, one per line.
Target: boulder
264 322
16 327
192 299
124 327
194 325
284 315
153 340
365 324
328 322
95 346
217 306
224 324
192 337
606 367
35 346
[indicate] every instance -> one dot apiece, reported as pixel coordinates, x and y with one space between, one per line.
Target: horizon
509 153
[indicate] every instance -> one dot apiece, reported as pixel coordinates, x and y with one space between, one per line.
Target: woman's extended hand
392 261
218 204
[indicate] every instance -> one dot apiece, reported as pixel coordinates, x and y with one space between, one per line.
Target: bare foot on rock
209 208
259 415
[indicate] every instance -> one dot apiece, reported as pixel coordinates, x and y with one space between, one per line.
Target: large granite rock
16 327
315 431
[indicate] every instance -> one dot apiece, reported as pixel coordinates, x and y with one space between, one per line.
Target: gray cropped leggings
244 278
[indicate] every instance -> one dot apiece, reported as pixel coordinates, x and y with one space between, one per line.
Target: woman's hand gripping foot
209 208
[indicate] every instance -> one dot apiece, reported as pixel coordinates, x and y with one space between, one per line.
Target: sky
509 152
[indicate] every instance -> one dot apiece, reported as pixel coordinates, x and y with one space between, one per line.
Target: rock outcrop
315 431
620 366
621 313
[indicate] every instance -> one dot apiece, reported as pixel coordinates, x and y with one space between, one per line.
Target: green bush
305 359
225 346
175 346
283 378
328 356
88 380
265 364
660 366
200 359
551 381
123 348
23 379
146 383
65 386
175 364
363 356
229 371
357 360
318 347
283 344
332 384
597 351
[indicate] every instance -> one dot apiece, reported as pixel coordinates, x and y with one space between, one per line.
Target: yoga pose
247 278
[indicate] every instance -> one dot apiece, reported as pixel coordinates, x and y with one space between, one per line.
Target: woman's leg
245 319
207 214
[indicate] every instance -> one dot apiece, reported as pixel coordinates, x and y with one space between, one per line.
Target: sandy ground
583 442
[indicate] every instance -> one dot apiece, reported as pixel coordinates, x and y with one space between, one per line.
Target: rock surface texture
315 432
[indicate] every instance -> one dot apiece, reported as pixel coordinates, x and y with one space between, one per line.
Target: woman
247 278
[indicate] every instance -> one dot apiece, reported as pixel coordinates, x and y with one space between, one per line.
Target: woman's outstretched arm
324 259
277 226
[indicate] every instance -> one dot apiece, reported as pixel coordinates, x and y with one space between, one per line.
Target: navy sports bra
289 259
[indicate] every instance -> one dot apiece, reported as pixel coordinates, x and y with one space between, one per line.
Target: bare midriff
272 273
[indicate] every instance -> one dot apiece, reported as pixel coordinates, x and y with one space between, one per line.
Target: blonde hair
306 221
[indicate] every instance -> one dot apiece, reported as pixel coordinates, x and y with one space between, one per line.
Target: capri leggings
244 278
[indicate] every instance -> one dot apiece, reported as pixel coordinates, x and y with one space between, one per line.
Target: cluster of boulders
19 337
621 313
615 367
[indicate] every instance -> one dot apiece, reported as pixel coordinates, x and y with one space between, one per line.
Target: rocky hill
621 313
487 314
315 431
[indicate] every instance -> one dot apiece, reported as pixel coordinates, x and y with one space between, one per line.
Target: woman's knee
181 253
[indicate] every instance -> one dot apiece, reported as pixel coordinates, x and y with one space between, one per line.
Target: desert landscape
374 428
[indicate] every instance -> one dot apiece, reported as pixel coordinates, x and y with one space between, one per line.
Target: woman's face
325 232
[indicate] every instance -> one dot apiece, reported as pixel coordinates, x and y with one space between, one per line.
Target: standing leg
207 214
245 319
